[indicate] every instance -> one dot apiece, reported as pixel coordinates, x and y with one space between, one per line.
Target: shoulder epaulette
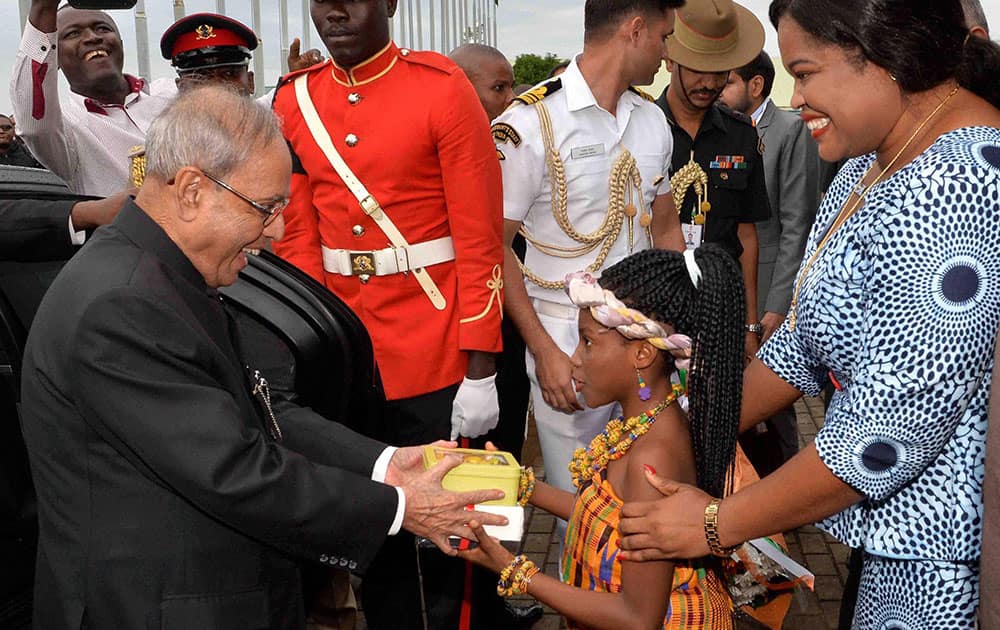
291 76
536 94
429 58
645 95
732 113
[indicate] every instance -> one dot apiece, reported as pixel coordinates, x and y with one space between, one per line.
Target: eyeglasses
270 211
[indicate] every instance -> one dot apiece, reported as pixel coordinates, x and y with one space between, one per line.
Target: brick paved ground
826 558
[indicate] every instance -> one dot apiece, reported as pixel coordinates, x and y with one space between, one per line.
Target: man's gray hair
974 14
210 127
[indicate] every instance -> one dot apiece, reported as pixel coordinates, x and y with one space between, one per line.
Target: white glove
475 409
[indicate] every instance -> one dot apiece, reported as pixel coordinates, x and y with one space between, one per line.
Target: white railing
439 25
442 25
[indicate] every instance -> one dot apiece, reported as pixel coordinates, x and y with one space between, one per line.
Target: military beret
207 40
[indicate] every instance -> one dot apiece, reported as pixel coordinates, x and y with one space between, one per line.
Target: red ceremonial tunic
422 147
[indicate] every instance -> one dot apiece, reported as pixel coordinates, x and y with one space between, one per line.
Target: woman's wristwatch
756 329
712 531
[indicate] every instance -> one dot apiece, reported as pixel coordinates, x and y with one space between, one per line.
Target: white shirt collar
760 110
579 96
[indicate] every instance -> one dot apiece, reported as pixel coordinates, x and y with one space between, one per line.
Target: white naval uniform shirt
589 140
85 144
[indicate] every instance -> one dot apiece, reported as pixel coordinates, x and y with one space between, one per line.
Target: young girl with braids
647 315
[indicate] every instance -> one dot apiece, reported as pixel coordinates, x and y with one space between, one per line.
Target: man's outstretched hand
431 511
88 215
407 463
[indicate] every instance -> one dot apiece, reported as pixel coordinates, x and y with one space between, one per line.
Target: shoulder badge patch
503 133
645 95
533 96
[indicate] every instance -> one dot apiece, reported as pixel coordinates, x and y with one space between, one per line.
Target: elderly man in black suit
171 493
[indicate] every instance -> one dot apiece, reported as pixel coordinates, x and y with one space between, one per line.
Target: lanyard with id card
692 235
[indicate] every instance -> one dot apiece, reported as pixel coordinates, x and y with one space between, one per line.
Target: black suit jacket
164 502
35 230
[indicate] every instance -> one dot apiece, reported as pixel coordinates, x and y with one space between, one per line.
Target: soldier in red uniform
413 245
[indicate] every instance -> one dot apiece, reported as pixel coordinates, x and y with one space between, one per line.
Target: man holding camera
86 136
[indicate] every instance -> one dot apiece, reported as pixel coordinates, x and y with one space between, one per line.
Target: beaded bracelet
712 531
516 576
525 485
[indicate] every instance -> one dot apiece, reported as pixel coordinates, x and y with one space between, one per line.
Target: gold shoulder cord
691 174
137 165
625 183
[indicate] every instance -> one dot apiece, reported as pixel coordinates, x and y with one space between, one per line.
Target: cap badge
205 32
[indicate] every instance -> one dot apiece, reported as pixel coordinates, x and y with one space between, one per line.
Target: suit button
358 230
364 278
352 565
351 140
343 562
324 558
353 98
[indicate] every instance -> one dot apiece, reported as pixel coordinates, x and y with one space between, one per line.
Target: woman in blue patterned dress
896 303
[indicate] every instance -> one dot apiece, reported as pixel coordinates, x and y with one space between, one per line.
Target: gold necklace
859 191
616 439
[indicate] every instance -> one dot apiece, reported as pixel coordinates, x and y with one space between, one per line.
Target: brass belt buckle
362 263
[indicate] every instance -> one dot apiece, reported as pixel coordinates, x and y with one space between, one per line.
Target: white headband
692 266
610 312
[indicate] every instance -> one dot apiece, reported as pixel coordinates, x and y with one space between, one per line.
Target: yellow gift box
479 470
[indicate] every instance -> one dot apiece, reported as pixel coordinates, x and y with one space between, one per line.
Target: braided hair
657 283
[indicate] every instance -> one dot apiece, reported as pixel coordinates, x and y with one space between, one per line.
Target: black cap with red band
207 40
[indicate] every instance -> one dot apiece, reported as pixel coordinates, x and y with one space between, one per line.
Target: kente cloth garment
590 560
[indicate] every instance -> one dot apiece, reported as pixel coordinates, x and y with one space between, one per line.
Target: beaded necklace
616 439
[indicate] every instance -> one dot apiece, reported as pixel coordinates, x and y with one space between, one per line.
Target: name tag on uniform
587 151
692 235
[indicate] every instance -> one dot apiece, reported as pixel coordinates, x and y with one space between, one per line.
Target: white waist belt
388 261
555 309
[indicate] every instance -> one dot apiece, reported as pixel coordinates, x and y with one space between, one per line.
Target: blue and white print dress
902 306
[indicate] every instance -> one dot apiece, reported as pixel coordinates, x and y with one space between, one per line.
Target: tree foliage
531 68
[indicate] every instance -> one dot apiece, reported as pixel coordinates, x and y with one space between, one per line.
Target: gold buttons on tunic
364 278
358 230
351 140
353 98
404 51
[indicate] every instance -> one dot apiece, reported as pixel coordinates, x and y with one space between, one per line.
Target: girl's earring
645 393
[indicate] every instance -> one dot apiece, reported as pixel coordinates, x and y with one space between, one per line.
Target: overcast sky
524 26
